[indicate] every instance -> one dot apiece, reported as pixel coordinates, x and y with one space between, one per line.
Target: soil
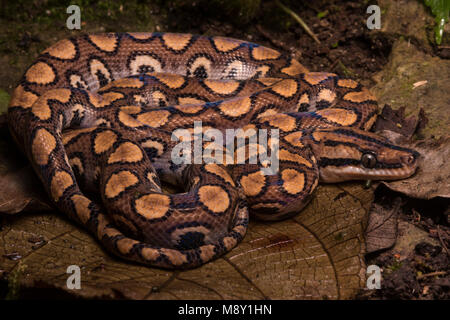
423 272
346 47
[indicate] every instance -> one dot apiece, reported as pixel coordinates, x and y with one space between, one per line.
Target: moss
322 14
14 282
394 266
52 13
406 67
4 100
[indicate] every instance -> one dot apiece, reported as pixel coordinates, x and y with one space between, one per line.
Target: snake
97 117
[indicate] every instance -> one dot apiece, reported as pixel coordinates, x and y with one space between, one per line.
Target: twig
334 64
298 19
431 274
347 71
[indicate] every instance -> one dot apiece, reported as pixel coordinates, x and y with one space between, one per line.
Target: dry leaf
317 254
382 227
395 120
433 174
21 191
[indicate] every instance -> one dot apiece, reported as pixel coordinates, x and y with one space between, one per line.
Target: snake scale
95 116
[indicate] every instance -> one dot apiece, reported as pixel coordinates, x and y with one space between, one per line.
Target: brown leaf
395 120
21 191
382 227
317 254
433 174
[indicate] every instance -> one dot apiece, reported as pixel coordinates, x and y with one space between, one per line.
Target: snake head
351 154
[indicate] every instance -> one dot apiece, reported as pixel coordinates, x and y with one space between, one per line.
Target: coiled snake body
95 115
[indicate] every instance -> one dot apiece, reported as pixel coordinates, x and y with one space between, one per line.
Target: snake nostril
409 159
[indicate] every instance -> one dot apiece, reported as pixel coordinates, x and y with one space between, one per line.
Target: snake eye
368 160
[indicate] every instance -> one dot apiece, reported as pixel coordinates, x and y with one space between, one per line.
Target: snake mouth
331 174
357 173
